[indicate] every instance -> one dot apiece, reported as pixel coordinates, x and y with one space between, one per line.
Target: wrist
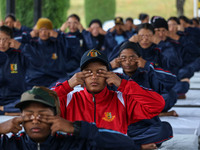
77 128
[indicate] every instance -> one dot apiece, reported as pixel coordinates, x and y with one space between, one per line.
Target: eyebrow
122 55
33 111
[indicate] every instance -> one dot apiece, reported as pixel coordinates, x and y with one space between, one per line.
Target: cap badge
93 53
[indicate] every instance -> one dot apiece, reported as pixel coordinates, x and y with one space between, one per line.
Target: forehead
9 19
37 107
72 19
172 22
145 31
95 66
129 21
160 29
94 25
128 52
3 35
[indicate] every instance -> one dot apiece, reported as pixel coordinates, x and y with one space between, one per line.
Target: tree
99 9
55 11
179 6
2 9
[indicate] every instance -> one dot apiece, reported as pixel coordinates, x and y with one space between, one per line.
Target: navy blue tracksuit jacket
75 48
90 138
54 54
12 75
152 130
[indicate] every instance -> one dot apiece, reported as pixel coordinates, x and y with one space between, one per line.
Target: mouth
127 67
35 130
94 83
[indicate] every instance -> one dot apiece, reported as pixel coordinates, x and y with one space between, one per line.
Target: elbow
162 103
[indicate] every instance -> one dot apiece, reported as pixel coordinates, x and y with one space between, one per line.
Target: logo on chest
54 56
13 68
108 117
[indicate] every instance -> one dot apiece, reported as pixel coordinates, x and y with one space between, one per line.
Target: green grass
132 8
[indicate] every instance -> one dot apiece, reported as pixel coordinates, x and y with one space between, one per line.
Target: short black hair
95 21
130 45
8 31
195 20
143 16
187 20
129 19
12 16
147 26
75 16
175 19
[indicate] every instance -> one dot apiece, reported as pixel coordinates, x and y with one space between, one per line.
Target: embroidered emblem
13 68
54 56
93 53
108 117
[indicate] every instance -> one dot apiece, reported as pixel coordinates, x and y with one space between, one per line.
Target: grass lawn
132 8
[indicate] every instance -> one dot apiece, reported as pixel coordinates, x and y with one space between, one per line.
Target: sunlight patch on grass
132 8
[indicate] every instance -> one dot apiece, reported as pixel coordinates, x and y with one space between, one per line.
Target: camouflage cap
37 94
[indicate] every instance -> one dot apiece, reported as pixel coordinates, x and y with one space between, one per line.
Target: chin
95 90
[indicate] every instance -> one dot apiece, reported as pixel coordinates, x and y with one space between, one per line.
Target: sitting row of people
60 53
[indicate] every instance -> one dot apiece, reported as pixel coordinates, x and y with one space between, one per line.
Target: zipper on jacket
94 108
38 146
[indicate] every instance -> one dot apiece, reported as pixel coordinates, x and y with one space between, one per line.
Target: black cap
159 22
130 45
119 20
93 55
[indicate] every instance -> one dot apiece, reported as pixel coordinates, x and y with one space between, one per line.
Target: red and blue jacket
155 78
110 109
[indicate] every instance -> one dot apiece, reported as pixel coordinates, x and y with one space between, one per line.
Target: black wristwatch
77 128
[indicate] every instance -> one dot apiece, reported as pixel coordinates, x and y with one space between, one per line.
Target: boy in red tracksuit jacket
108 109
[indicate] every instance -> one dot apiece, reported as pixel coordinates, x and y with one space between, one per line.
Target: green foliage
55 11
99 9
24 11
2 9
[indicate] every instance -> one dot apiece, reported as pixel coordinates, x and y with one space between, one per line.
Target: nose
35 119
94 75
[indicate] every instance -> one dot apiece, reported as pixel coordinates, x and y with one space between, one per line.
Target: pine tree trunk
180 7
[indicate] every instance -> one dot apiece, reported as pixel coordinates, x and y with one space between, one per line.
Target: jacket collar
99 97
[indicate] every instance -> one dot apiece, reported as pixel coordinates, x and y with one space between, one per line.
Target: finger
15 130
105 74
26 118
53 131
17 120
84 72
48 119
18 127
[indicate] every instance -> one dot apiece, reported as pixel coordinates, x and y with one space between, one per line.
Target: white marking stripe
69 97
120 97
161 71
